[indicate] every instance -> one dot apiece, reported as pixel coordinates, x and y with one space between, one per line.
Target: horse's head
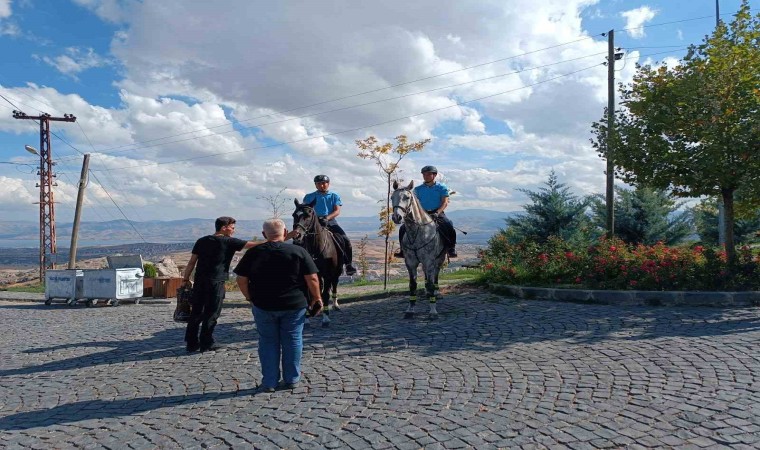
304 220
401 201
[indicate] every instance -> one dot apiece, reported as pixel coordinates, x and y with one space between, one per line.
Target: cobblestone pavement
492 372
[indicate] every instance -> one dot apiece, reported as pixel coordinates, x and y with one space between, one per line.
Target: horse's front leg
411 267
431 278
334 297
326 302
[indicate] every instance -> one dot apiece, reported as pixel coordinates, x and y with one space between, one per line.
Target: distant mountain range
479 224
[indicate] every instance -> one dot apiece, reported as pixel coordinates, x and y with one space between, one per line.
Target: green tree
706 222
644 216
554 211
693 129
387 158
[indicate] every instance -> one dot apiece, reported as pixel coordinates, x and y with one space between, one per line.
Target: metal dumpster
113 285
64 284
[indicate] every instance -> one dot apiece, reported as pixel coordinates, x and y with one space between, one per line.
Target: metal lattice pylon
47 204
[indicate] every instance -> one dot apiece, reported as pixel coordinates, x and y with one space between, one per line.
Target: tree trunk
728 224
387 233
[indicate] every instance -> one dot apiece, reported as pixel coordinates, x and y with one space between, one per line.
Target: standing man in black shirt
275 277
212 254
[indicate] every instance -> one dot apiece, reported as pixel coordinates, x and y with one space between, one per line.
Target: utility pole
721 208
78 212
47 205
610 193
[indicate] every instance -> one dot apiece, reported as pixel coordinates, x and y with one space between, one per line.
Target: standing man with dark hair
275 277
212 255
434 199
327 207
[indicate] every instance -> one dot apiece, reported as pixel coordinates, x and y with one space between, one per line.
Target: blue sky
198 109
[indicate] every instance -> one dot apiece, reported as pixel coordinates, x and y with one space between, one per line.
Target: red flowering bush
612 264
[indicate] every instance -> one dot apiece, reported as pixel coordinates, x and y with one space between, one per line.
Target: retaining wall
632 298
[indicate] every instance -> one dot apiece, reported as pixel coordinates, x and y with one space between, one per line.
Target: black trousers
207 300
338 231
445 227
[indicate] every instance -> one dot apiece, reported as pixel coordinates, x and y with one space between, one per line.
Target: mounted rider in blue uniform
434 199
327 208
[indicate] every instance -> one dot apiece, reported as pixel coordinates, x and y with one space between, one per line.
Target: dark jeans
207 306
445 227
338 231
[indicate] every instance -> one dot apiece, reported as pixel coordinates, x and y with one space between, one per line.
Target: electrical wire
358 128
361 104
364 92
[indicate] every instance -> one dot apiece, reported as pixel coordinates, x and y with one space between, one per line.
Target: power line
99 183
117 206
363 104
361 93
362 127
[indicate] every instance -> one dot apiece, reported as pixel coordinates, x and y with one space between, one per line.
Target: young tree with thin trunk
387 158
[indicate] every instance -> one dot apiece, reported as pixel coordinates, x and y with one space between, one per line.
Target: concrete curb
631 298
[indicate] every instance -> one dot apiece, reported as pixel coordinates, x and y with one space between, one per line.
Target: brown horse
321 245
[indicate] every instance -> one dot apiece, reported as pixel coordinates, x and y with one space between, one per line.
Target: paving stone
504 374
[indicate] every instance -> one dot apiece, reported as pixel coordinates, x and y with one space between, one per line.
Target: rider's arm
335 213
444 205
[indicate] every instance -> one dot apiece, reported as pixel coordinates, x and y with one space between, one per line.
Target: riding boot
452 252
400 252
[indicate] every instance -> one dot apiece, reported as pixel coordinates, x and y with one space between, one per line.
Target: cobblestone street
492 372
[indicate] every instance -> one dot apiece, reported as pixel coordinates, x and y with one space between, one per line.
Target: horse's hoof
434 317
409 315
335 307
325 324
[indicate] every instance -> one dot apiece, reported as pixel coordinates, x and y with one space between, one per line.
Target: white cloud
16 192
110 10
187 75
636 18
75 60
491 193
5 9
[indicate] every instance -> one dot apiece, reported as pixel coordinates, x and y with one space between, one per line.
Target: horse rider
327 207
434 198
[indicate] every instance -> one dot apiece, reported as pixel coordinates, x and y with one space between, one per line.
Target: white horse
421 245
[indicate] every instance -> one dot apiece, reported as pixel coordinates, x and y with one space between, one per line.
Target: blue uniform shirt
325 202
431 197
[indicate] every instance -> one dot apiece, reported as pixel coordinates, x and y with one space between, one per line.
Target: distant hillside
479 224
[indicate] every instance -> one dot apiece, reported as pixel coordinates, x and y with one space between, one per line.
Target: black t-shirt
214 256
275 272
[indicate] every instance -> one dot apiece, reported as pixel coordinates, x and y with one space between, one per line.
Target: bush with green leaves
150 270
613 264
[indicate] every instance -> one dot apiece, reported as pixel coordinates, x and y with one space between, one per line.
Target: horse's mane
418 214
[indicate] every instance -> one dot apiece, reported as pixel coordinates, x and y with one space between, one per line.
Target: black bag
183 309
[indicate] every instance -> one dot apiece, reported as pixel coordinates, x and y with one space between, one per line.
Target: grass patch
33 288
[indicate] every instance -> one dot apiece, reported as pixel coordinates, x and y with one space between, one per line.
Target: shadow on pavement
105 409
164 344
